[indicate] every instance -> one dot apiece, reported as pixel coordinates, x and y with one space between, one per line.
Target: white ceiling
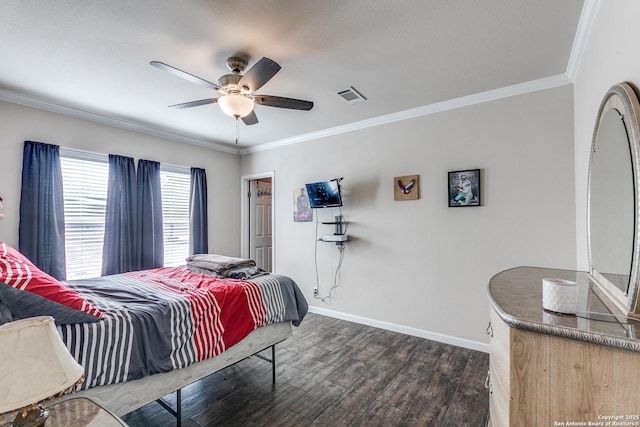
92 56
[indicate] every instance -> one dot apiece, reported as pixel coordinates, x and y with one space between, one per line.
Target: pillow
29 291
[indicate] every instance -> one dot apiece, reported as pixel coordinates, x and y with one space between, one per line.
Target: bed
142 335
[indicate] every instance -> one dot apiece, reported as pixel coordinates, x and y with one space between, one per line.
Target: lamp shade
35 363
236 105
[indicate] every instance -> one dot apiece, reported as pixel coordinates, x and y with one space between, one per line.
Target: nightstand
81 412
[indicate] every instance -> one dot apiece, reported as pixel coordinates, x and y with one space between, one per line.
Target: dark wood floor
337 373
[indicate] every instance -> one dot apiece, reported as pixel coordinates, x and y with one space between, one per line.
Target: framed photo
302 211
406 187
464 188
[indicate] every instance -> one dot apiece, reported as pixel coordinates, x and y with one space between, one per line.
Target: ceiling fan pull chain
237 135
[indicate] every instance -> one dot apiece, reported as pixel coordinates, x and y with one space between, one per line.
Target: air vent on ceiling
352 96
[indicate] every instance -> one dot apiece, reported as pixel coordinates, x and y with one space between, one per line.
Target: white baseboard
434 336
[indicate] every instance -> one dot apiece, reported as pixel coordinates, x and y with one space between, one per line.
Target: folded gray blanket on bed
218 264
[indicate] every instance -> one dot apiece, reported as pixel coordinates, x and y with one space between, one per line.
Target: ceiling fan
238 90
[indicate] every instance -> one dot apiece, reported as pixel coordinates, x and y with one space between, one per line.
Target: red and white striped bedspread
168 318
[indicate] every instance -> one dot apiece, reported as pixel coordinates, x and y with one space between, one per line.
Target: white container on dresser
549 369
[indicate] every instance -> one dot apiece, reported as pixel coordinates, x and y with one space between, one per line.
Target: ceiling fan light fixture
236 106
237 91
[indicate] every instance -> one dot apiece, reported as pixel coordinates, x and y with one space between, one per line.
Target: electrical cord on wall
344 221
336 276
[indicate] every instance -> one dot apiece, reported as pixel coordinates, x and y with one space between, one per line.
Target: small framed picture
406 187
464 188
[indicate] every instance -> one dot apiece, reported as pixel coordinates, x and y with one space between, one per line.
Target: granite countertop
516 296
80 412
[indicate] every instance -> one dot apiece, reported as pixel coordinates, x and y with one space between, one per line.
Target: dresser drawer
499 351
499 402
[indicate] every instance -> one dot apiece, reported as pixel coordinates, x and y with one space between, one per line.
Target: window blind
85 179
175 187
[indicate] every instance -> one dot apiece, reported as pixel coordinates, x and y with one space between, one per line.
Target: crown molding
587 18
29 101
465 101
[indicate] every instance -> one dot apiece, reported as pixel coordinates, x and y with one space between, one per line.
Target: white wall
611 57
415 265
419 265
19 123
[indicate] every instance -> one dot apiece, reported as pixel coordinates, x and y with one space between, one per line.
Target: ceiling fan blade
281 102
259 74
184 74
195 103
250 119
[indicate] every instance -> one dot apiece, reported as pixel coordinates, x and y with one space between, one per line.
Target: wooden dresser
559 370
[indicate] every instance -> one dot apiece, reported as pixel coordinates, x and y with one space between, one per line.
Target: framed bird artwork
406 187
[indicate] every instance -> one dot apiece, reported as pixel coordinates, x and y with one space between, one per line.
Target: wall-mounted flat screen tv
324 194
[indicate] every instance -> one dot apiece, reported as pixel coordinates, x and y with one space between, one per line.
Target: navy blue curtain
198 225
41 229
119 248
149 244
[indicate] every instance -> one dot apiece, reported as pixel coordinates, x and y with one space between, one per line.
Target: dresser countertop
79 412
516 296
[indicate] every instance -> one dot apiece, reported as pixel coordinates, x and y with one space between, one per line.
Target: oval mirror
613 197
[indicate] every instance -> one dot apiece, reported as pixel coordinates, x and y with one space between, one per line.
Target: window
84 179
175 185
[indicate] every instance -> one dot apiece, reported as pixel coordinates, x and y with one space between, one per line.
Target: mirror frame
622 98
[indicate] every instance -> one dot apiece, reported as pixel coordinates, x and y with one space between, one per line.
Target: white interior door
260 229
